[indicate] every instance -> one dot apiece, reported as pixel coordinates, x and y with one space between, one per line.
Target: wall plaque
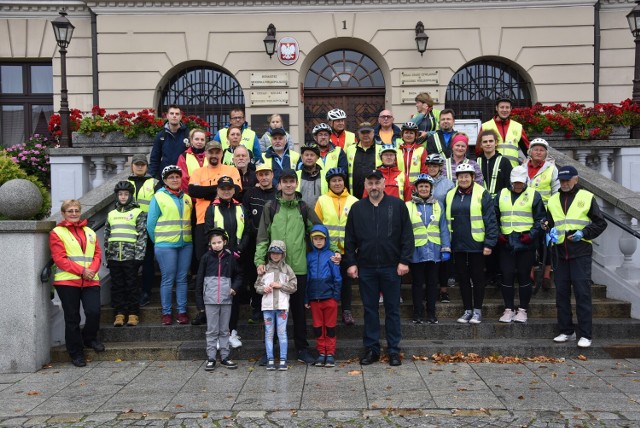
269 98
419 77
261 79
408 96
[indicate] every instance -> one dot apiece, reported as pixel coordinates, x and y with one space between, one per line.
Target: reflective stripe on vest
218 220
414 163
576 217
192 162
170 227
508 148
74 252
145 194
123 225
494 175
294 157
517 217
477 224
351 154
330 161
248 138
542 184
421 233
335 224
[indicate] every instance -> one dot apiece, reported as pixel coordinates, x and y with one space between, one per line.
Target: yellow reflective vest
74 252
518 216
508 148
576 217
248 138
422 233
475 215
414 163
145 194
294 157
335 221
123 225
218 220
170 227
542 184
192 162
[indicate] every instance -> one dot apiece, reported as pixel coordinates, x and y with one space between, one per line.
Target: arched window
474 88
204 91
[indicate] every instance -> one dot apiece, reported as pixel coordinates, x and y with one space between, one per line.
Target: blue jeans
279 318
374 281
174 266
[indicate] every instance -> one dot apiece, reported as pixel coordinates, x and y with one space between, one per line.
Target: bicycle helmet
310 146
409 126
423 178
333 172
465 167
169 169
336 114
124 185
434 159
321 127
218 231
539 142
388 148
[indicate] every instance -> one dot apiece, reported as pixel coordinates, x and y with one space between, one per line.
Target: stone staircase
615 334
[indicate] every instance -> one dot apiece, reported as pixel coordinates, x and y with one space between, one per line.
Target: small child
324 284
276 284
125 242
219 276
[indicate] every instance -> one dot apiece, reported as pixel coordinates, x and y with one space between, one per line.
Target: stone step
492 308
447 329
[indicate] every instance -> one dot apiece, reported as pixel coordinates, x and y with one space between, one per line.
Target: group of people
257 220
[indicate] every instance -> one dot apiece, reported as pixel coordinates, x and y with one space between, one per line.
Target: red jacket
59 255
391 174
182 163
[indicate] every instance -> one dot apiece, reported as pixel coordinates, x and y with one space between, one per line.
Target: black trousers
424 274
516 264
470 267
299 314
125 293
577 273
346 293
71 298
445 271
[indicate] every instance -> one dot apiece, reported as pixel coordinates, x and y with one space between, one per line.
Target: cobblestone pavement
593 393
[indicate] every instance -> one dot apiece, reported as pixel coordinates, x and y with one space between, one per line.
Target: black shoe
305 357
432 320
228 364
200 319
95 345
394 360
263 360
444 298
145 299
369 357
79 362
210 366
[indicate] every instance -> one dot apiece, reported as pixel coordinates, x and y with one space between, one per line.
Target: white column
99 161
604 154
628 245
119 161
582 154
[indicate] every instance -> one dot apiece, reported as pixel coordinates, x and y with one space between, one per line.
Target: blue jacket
430 252
167 147
281 164
323 276
257 153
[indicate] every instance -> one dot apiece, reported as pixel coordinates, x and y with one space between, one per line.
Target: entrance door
343 79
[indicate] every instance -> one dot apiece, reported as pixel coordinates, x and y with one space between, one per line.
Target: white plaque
471 127
408 96
419 77
270 98
262 79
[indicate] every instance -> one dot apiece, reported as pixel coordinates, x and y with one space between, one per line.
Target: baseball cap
212 145
288 173
375 174
278 131
567 172
365 126
264 167
318 233
225 181
139 158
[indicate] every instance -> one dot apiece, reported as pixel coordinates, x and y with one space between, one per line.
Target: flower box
115 139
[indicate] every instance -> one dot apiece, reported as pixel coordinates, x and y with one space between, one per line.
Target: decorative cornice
41 9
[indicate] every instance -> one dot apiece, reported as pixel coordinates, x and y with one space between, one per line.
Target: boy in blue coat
324 284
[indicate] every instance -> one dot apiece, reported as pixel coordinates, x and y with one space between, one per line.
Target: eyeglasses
385 117
72 211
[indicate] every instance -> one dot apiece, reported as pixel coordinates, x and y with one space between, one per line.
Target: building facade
359 55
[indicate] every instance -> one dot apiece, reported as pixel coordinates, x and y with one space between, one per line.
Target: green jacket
288 226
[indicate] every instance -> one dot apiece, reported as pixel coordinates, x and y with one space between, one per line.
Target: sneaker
167 319
210 366
507 316
444 298
476 318
145 299
119 321
133 320
234 339
401 299
271 365
227 363
305 357
200 319
417 321
347 318
330 361
451 282
521 315
584 342
320 362
183 318
283 365
432 320
464 319
561 338
381 300
263 360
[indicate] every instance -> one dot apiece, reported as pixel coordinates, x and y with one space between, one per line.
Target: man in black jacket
379 244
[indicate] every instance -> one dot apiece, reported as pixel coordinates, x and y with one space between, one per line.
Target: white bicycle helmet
336 114
321 127
465 167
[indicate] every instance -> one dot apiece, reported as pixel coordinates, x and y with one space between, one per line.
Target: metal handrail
621 225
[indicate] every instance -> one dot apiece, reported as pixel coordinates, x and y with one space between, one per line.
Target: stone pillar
24 301
69 177
604 155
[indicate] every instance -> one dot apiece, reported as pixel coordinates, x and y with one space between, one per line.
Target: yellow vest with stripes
422 233
294 157
123 225
415 164
192 162
508 148
494 174
542 184
475 215
248 138
170 226
218 220
334 223
74 252
518 216
145 194
576 217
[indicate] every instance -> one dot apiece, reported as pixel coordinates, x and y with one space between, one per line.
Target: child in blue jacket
324 283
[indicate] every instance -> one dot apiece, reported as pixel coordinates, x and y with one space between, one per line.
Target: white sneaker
476 318
507 316
584 342
521 315
561 338
234 339
381 300
464 319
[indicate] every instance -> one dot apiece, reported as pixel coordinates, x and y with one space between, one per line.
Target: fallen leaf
46 366
520 397
355 372
582 357
34 393
554 375
128 411
226 417
118 360
205 415
179 406
462 389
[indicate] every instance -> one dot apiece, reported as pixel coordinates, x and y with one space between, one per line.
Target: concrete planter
109 139
618 133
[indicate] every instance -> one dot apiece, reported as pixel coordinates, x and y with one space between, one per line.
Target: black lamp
634 25
63 30
421 38
270 40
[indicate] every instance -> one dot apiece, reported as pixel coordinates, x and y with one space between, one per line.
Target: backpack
275 207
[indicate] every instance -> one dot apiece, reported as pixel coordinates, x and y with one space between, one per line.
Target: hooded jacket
167 146
61 258
218 273
265 140
538 212
431 252
126 251
280 272
323 276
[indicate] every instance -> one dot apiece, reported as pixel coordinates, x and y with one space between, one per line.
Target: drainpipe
94 58
596 52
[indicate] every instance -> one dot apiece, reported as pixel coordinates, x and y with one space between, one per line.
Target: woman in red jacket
76 254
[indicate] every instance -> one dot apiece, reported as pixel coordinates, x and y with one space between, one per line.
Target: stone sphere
20 199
